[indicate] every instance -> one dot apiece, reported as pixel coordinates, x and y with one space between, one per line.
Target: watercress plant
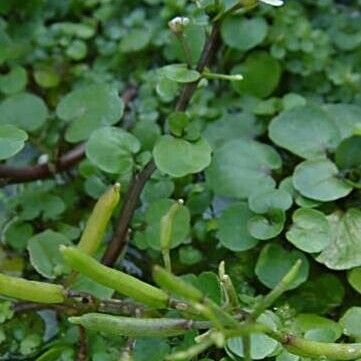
232 129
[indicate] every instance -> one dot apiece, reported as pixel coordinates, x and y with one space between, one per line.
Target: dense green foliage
268 167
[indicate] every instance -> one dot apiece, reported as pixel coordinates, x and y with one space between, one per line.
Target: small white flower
273 2
178 24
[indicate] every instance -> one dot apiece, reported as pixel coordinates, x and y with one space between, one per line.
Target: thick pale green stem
281 288
247 347
216 76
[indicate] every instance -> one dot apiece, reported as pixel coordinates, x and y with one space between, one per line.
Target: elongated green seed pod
117 280
133 327
176 285
33 291
166 225
97 223
332 351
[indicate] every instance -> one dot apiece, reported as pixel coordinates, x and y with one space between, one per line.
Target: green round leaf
111 149
24 110
47 77
233 232
180 73
346 117
344 251
306 131
354 279
153 216
77 50
12 140
188 255
351 322
268 225
307 322
13 82
177 122
348 153
261 75
242 33
178 157
262 202
310 231
89 108
241 166
16 235
318 179
44 253
274 262
261 345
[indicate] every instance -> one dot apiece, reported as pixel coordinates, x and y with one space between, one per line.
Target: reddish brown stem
118 242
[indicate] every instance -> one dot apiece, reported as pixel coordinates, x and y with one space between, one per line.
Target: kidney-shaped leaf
266 226
111 149
24 110
233 232
241 166
310 231
12 140
180 73
306 131
348 153
242 33
344 251
346 117
89 108
318 179
262 202
261 75
179 157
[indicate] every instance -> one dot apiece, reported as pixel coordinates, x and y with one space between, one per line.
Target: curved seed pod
97 223
117 280
176 285
332 351
166 225
31 290
134 327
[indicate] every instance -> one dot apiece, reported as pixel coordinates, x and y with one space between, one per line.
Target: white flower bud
178 24
273 2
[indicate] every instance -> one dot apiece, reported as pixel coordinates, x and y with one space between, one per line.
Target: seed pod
31 290
97 223
117 280
133 327
166 225
176 285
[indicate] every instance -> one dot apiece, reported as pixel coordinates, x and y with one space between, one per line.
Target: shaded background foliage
269 195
